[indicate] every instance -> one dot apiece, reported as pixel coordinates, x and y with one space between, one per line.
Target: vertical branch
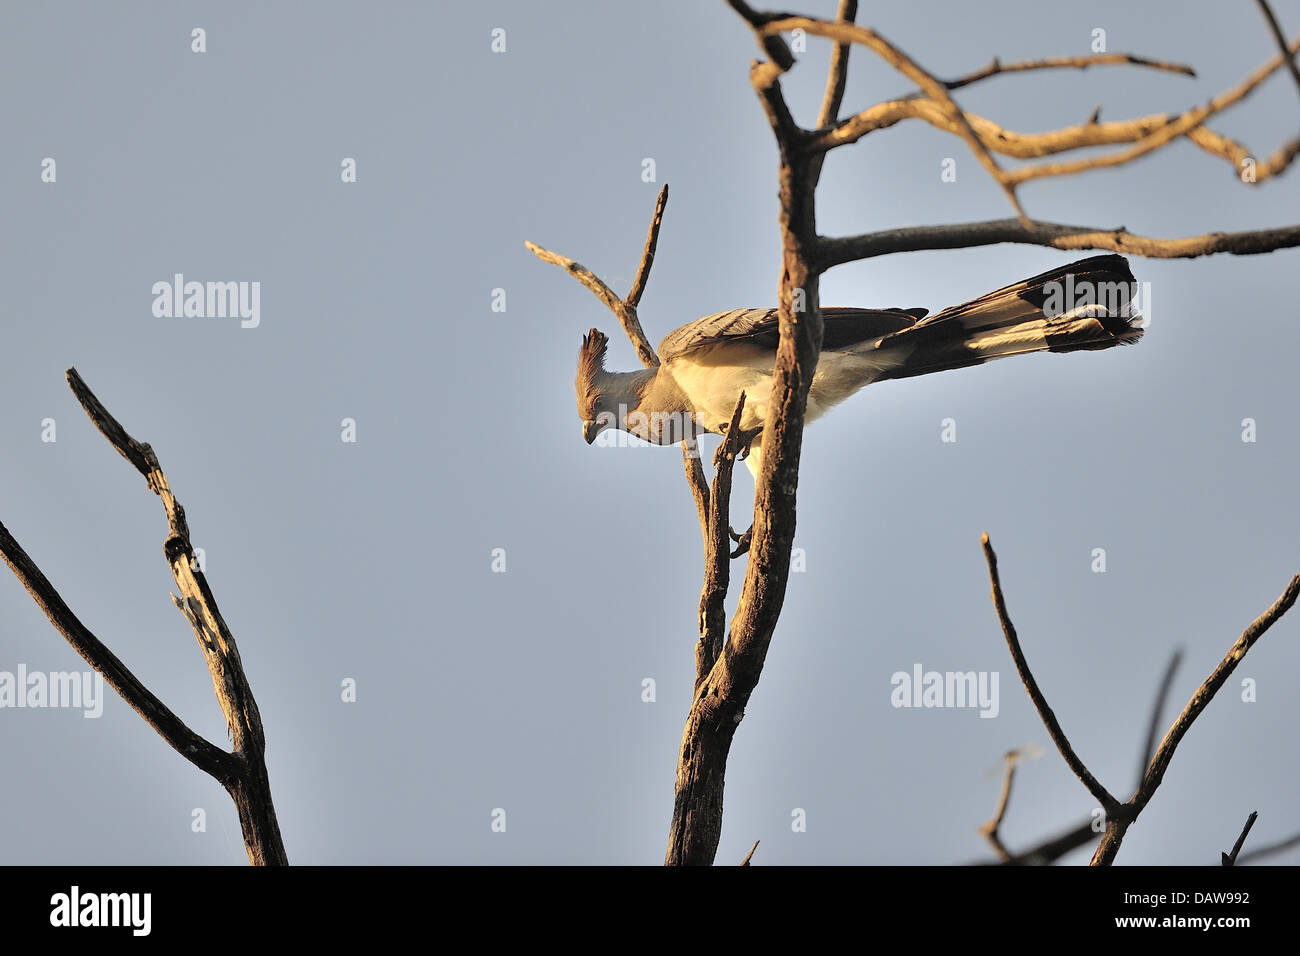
717 552
1230 859
721 697
250 787
1276 29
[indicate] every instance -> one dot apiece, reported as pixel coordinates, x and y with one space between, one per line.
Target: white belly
715 377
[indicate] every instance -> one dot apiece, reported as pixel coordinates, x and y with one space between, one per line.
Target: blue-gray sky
522 690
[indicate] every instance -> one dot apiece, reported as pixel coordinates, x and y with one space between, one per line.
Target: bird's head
591 367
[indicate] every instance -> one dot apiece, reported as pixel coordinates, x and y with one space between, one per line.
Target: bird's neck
624 392
648 405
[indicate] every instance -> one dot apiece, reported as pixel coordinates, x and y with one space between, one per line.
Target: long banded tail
1084 305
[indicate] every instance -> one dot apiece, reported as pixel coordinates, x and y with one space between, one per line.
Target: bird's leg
745 439
743 541
744 442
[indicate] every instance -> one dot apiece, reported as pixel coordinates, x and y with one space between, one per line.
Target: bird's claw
743 541
745 440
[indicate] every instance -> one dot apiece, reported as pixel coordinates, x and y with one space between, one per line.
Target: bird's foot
745 441
743 541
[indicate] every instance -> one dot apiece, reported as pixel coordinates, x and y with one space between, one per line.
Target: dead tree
242 770
730 661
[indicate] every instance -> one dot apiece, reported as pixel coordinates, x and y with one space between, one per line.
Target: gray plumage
705 364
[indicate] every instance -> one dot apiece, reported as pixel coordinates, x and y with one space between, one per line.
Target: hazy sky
374 560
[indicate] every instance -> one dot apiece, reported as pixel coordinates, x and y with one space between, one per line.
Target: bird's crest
591 359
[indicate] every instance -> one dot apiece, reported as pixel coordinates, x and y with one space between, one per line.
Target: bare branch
626 313
1238 155
1280 37
717 553
250 788
209 758
625 308
698 484
1049 851
990 829
848 33
1117 825
1153 725
1272 848
750 855
1051 142
1007 142
997 67
1179 126
1109 803
721 698
1230 859
839 69
774 46
648 254
1205 693
965 235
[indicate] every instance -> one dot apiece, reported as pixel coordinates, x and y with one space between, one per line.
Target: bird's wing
843 328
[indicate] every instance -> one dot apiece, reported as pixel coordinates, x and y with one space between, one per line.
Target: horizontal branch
997 67
837 251
1000 140
1177 127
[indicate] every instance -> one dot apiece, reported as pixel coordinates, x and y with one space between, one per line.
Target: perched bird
707 363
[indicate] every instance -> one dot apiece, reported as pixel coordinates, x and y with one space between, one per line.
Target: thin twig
997 67
1117 825
1230 859
750 855
837 75
1205 693
698 484
1050 142
1050 850
1280 37
626 310
648 253
1177 127
627 316
1153 725
991 828
1272 848
1108 802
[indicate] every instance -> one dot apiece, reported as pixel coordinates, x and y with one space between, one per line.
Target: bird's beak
590 430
